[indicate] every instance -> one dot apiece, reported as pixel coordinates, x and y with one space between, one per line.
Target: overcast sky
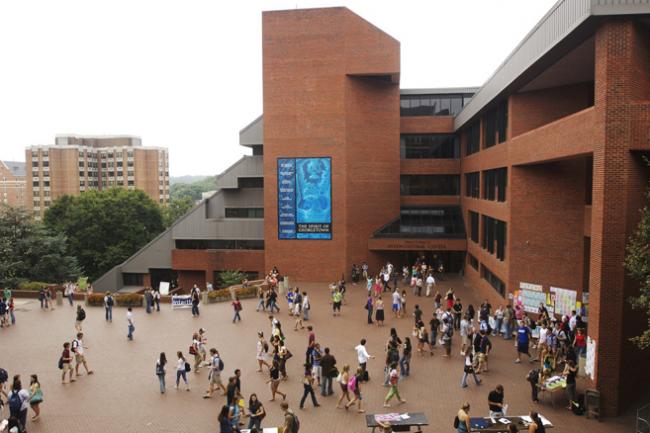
187 74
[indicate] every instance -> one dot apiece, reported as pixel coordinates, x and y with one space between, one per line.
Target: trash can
592 403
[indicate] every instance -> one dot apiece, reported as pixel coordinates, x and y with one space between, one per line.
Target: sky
187 74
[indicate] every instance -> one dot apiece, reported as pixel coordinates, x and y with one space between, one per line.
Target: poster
305 198
565 300
164 288
590 364
530 296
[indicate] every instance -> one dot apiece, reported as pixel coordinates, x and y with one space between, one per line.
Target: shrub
230 278
96 299
33 285
129 300
246 291
221 293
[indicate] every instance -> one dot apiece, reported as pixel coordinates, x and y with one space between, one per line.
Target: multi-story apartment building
529 185
76 164
12 183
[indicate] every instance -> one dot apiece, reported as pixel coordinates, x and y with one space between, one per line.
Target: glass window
496 124
472 184
250 182
473 226
473 261
494 281
445 106
252 212
473 138
429 146
430 184
495 183
432 105
494 236
425 222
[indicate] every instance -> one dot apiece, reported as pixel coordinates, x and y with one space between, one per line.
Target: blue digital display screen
305 198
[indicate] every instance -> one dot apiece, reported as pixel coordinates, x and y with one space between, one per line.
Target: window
472 188
433 105
494 236
494 281
250 182
119 163
81 164
81 174
129 163
473 138
473 226
495 183
473 261
426 222
132 279
417 146
496 124
34 163
46 163
35 184
37 203
428 184
244 212
219 244
130 183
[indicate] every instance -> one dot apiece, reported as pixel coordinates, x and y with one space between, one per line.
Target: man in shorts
78 350
216 366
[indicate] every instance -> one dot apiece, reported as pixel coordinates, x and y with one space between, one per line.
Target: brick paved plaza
122 396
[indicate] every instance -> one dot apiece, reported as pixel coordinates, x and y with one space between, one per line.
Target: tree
28 251
104 228
193 189
176 209
637 264
230 278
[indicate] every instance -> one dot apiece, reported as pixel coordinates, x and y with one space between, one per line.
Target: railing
643 419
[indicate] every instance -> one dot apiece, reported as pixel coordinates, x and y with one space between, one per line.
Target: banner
305 198
181 301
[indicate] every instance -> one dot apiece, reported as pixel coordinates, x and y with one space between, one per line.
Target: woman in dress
379 314
262 351
343 379
35 396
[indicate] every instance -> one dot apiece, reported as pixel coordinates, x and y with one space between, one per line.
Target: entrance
452 261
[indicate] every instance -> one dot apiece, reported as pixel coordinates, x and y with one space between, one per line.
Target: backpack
188 367
4 376
15 402
296 423
160 369
456 421
61 363
82 314
352 383
221 366
109 301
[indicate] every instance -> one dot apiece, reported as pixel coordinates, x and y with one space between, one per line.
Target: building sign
304 198
181 301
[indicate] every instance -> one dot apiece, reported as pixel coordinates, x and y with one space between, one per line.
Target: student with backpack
182 368
216 367
18 401
291 421
108 306
81 316
65 363
236 306
161 371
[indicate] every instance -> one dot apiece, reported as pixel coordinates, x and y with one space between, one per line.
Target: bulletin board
564 300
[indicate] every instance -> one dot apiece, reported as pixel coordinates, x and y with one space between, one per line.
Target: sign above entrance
417 244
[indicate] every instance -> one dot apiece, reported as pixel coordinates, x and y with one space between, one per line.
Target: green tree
176 209
28 251
104 228
193 189
230 278
637 264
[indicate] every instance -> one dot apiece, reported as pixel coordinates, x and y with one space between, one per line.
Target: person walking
523 339
161 370
236 306
569 373
256 413
393 391
337 298
462 421
405 360
354 386
80 317
363 356
342 379
379 313
196 351
369 308
274 380
19 401
35 396
156 298
308 386
469 369
148 300
329 372
447 333
78 349
262 351
181 370
306 307
196 297
10 309
130 323
214 378
224 420
291 422
65 363
108 306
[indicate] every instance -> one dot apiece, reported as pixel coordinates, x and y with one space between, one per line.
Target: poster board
590 364
529 297
164 288
564 300
181 301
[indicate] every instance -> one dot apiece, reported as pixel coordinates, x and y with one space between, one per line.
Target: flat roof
439 91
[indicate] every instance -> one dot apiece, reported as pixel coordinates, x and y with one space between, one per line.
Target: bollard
86 299
59 298
204 297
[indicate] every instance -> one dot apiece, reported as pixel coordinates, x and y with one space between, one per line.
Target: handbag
188 367
334 372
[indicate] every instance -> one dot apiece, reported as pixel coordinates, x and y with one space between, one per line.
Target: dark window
495 183
473 137
589 180
494 236
473 226
119 163
250 182
494 281
219 244
433 105
244 212
425 222
35 183
46 183
81 164
496 124
473 261
130 183
423 146
429 184
472 184
46 163
34 163
132 279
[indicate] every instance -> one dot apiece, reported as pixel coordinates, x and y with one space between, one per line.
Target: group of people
19 400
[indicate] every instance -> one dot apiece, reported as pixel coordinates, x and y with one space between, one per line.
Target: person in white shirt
397 302
78 349
363 357
306 306
131 324
572 321
430 282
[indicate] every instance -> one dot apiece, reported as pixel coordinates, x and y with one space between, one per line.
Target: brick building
77 163
12 183
530 184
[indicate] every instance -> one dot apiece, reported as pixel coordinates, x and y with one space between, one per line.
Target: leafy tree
104 228
176 209
637 264
193 189
230 278
28 251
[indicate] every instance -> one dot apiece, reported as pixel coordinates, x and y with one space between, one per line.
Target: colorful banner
305 198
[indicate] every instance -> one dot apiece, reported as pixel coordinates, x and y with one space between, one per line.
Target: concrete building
12 183
76 164
530 184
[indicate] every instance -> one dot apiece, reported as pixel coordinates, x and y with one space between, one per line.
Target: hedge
96 299
129 300
33 285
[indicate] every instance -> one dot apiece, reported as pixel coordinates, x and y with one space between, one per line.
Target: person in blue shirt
523 339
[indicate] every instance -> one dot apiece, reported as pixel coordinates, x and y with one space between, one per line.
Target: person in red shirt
236 305
580 343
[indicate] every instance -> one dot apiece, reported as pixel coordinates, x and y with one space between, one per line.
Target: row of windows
473 226
472 184
473 137
250 182
494 236
493 280
219 244
46 183
495 183
495 129
433 105
430 184
244 212
473 261
428 146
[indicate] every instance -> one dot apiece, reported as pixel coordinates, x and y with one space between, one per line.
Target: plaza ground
122 396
